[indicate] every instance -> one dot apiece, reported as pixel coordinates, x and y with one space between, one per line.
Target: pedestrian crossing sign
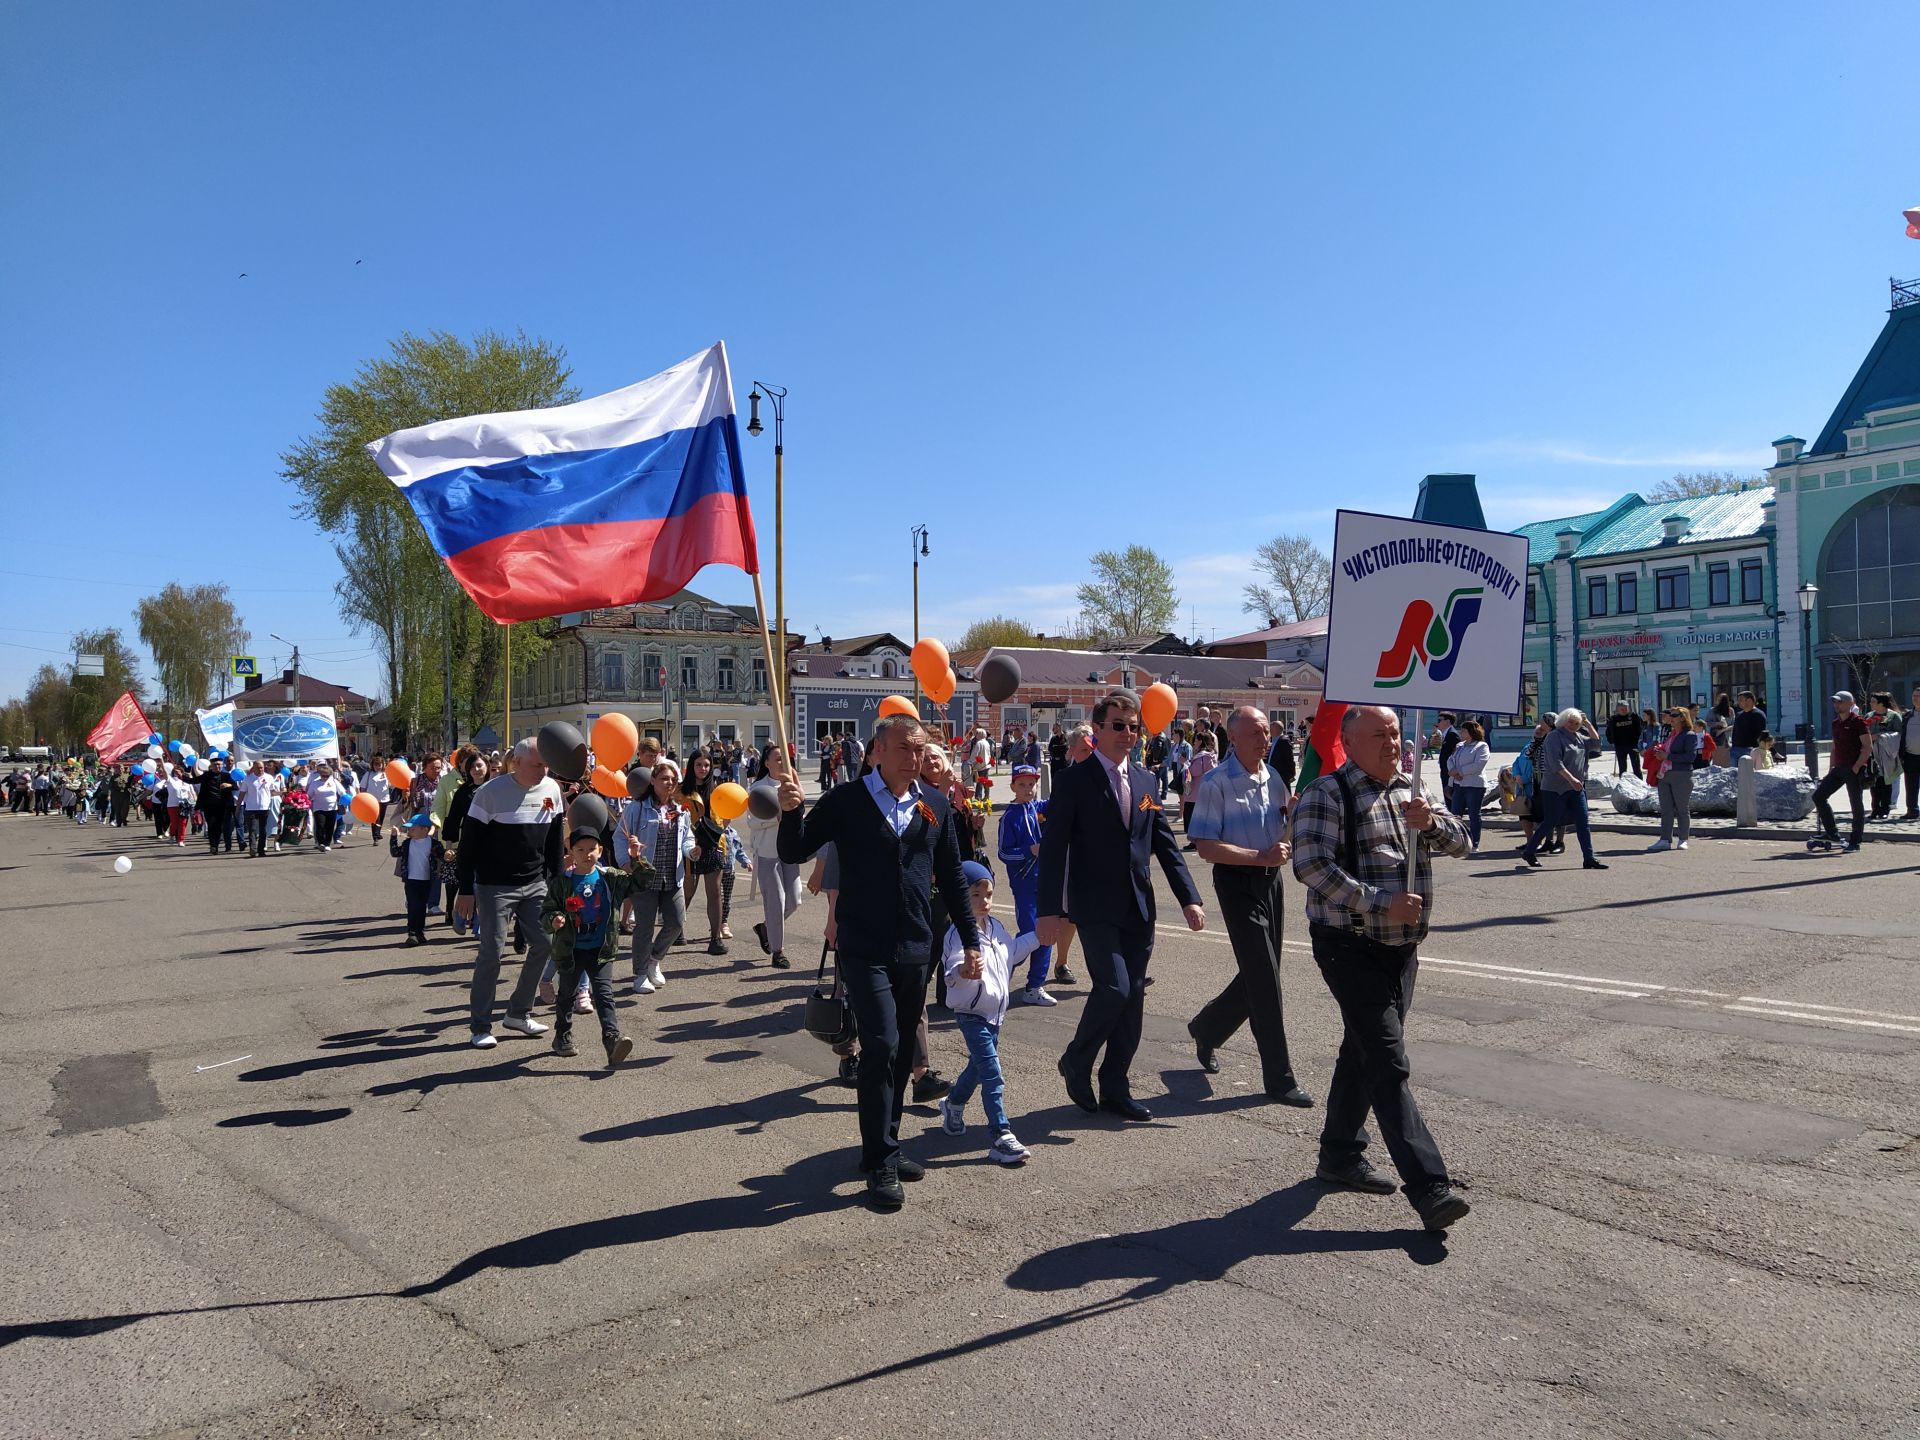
245 667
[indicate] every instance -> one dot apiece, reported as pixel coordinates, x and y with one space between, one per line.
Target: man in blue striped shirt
1239 826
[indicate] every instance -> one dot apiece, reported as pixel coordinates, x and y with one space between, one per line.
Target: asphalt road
1684 1094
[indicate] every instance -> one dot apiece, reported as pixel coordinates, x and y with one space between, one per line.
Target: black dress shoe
1532 860
780 961
1594 865
760 934
1293 1095
1079 1089
849 1070
930 1087
1064 976
1126 1107
1203 1052
909 1170
1358 1175
1440 1207
883 1189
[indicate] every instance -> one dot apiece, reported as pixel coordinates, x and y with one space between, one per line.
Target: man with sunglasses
1104 822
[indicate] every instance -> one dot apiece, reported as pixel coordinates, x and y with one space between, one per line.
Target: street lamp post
776 396
1808 593
916 546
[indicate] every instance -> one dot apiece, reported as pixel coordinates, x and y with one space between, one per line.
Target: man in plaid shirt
1350 834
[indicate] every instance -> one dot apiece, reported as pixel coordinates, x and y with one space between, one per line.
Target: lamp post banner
1425 616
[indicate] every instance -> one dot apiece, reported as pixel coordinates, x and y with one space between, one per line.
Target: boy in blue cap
1019 849
416 861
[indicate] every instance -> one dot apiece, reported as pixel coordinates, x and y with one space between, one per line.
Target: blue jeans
1466 802
1563 807
983 1069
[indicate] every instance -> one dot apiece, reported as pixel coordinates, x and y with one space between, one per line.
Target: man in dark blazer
1103 822
892 836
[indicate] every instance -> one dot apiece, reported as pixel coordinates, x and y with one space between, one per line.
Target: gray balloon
564 749
589 813
763 800
999 679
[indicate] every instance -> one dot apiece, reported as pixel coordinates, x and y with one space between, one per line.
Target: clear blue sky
1049 278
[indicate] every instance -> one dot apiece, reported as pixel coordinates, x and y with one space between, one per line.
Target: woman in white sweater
1467 777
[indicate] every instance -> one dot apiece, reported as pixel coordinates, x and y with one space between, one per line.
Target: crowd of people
898 849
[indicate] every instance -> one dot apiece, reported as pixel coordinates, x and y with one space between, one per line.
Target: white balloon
153 752
202 765
122 865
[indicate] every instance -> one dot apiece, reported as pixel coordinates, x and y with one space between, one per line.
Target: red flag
123 724
1325 753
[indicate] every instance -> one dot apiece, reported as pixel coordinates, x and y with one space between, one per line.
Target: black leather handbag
829 1018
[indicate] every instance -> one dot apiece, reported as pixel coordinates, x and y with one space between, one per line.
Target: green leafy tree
393 586
49 709
190 632
995 630
16 726
91 695
1131 593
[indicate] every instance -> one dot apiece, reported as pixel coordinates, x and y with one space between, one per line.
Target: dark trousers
1623 757
1373 986
1251 901
381 818
1910 770
888 1001
1855 782
417 892
1116 958
599 972
219 829
325 822
1560 808
257 824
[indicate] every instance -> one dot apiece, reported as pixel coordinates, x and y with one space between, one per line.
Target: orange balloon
896 705
365 807
612 783
940 688
1158 705
728 801
615 738
398 775
929 661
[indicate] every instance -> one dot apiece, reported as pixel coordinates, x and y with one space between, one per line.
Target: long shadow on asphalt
1185 1253
806 1187
514 1067
744 1117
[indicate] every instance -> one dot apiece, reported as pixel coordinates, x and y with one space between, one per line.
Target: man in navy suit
893 836
1103 823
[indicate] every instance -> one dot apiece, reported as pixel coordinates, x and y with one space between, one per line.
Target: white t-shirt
324 792
376 785
182 794
256 791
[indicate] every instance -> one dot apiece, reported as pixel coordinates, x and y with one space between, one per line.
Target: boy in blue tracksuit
1020 826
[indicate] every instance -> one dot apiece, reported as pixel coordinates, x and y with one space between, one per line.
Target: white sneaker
655 977
953 1118
1681 846
582 1003
1007 1150
276 847
483 1040
642 986
1034 995
525 1024
1658 845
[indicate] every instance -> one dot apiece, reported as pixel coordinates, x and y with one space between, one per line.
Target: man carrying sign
1351 834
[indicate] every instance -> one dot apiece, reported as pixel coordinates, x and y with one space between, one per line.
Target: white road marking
202 1069
1827 1019
1836 1009
1625 989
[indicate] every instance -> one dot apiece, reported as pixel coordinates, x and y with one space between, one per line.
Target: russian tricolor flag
608 501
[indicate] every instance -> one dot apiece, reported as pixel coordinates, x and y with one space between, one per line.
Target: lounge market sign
1724 637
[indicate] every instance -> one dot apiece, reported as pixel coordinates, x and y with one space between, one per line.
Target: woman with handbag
659 828
710 852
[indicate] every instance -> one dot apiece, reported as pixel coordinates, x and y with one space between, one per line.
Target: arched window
889 669
1869 574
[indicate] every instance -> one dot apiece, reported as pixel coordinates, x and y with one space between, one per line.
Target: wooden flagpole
776 674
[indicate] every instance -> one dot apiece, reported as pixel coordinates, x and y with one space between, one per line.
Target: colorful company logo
1429 638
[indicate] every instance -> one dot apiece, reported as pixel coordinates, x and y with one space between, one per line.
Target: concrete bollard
1746 800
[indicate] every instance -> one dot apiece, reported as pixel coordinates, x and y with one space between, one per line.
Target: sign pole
1419 759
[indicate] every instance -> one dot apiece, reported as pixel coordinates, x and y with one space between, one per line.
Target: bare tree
1688 484
1862 658
1299 580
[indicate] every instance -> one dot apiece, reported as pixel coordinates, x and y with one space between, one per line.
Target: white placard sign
1425 616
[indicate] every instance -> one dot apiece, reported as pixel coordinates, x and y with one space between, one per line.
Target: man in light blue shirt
1239 825
897 808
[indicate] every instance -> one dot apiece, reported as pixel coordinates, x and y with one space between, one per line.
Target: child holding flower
580 907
